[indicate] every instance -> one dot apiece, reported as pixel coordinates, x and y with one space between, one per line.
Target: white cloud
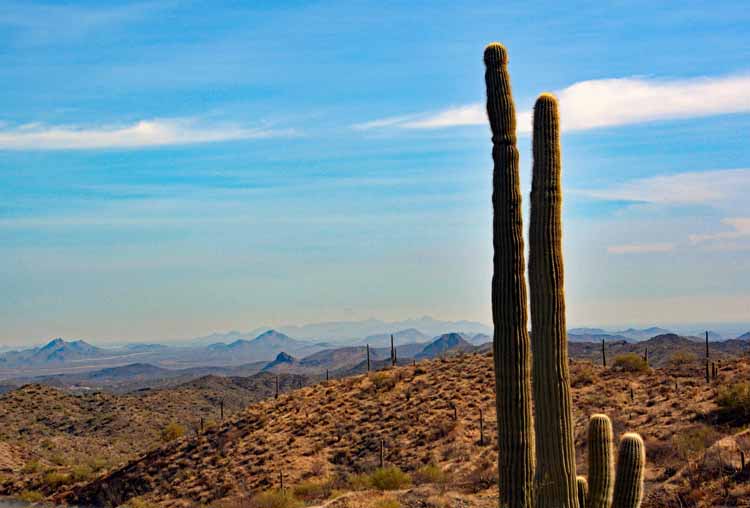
740 229
145 133
640 248
726 188
606 103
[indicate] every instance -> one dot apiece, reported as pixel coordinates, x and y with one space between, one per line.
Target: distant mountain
343 331
283 361
587 331
54 352
480 338
449 342
744 336
597 337
642 334
410 335
263 347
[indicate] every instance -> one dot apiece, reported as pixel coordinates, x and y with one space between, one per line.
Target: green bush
630 362
312 491
172 431
31 496
274 499
584 375
383 381
734 401
54 480
359 481
431 473
389 478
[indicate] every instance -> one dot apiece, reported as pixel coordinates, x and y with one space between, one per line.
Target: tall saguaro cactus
511 339
554 484
555 451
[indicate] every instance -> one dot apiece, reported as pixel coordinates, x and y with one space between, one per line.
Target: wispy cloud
145 133
723 188
640 248
606 103
740 229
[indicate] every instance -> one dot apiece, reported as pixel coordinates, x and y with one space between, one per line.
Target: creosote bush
734 402
430 473
389 478
630 362
172 431
274 499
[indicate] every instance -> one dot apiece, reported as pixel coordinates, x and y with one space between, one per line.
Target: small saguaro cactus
511 345
368 358
221 409
601 461
604 355
631 460
276 396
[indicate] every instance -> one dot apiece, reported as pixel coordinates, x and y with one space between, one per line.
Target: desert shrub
583 376
389 478
274 499
383 381
54 480
682 358
31 496
694 440
80 473
311 490
172 431
359 481
430 473
31 467
137 502
734 401
387 503
630 362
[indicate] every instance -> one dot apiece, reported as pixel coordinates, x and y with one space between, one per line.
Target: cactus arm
583 491
512 360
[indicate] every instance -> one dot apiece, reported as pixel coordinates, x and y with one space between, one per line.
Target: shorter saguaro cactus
631 461
601 461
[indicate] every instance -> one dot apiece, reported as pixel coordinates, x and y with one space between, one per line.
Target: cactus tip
495 54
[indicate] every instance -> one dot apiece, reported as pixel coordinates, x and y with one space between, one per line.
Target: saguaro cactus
555 479
557 485
601 462
511 339
631 460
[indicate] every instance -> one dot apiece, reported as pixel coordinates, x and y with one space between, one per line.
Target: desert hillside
325 440
72 437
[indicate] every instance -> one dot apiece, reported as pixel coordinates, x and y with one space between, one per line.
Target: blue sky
169 169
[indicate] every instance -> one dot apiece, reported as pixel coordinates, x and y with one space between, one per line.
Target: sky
173 168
